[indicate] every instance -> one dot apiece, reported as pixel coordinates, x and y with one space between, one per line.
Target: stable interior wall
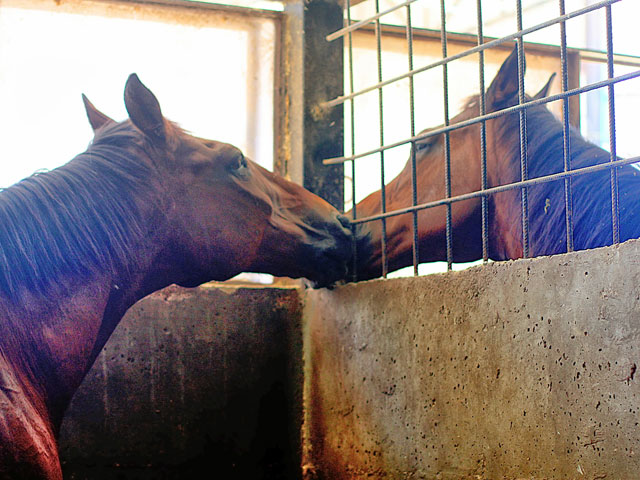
193 384
523 369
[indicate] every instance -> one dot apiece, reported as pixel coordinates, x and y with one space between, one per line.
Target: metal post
312 74
483 138
524 175
352 130
414 173
615 209
323 128
447 149
383 193
568 194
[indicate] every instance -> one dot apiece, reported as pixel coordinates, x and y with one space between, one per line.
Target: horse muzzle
331 252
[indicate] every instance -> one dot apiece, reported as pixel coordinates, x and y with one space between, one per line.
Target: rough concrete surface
194 384
515 370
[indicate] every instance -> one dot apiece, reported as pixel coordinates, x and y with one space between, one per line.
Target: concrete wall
516 370
194 383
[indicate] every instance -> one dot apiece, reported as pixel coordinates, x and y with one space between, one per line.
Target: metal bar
385 267
523 135
351 27
503 188
490 116
483 139
568 194
414 174
354 242
485 46
469 40
615 217
352 113
447 146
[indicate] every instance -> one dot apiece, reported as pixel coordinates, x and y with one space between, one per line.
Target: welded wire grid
485 192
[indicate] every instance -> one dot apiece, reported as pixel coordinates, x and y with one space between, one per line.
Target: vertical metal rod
483 140
523 135
354 243
568 194
385 266
414 182
615 219
447 149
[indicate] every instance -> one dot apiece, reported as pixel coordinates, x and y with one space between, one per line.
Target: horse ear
545 90
96 118
504 88
144 109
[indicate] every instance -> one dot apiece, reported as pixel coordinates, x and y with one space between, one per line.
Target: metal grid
485 192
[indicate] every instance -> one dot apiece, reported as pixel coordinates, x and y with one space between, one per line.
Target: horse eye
424 144
239 163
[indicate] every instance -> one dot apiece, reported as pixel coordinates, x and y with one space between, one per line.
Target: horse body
147 205
591 193
42 365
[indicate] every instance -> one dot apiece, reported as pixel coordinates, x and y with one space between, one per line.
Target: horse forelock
63 226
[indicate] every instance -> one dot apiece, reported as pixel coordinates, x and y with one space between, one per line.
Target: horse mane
62 226
591 192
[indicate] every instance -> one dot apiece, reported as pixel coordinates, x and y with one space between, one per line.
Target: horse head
465 153
226 214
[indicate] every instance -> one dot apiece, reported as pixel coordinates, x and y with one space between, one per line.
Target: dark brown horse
547 228
145 206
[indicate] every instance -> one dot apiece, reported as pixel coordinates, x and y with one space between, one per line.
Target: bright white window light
212 72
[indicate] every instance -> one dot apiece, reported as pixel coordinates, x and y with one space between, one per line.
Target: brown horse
145 206
547 228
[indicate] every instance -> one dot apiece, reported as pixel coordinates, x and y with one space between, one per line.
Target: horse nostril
346 223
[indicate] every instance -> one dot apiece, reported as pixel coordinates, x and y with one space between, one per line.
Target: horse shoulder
28 448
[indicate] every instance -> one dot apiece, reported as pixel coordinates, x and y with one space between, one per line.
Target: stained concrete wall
193 384
515 370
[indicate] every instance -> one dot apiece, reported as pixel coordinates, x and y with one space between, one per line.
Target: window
212 70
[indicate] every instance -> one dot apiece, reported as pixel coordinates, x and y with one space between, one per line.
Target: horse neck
503 167
544 156
64 339
52 340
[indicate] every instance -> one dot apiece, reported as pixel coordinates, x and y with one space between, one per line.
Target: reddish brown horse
145 206
591 193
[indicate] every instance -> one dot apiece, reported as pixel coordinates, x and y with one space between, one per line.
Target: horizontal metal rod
479 48
501 188
488 116
354 26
